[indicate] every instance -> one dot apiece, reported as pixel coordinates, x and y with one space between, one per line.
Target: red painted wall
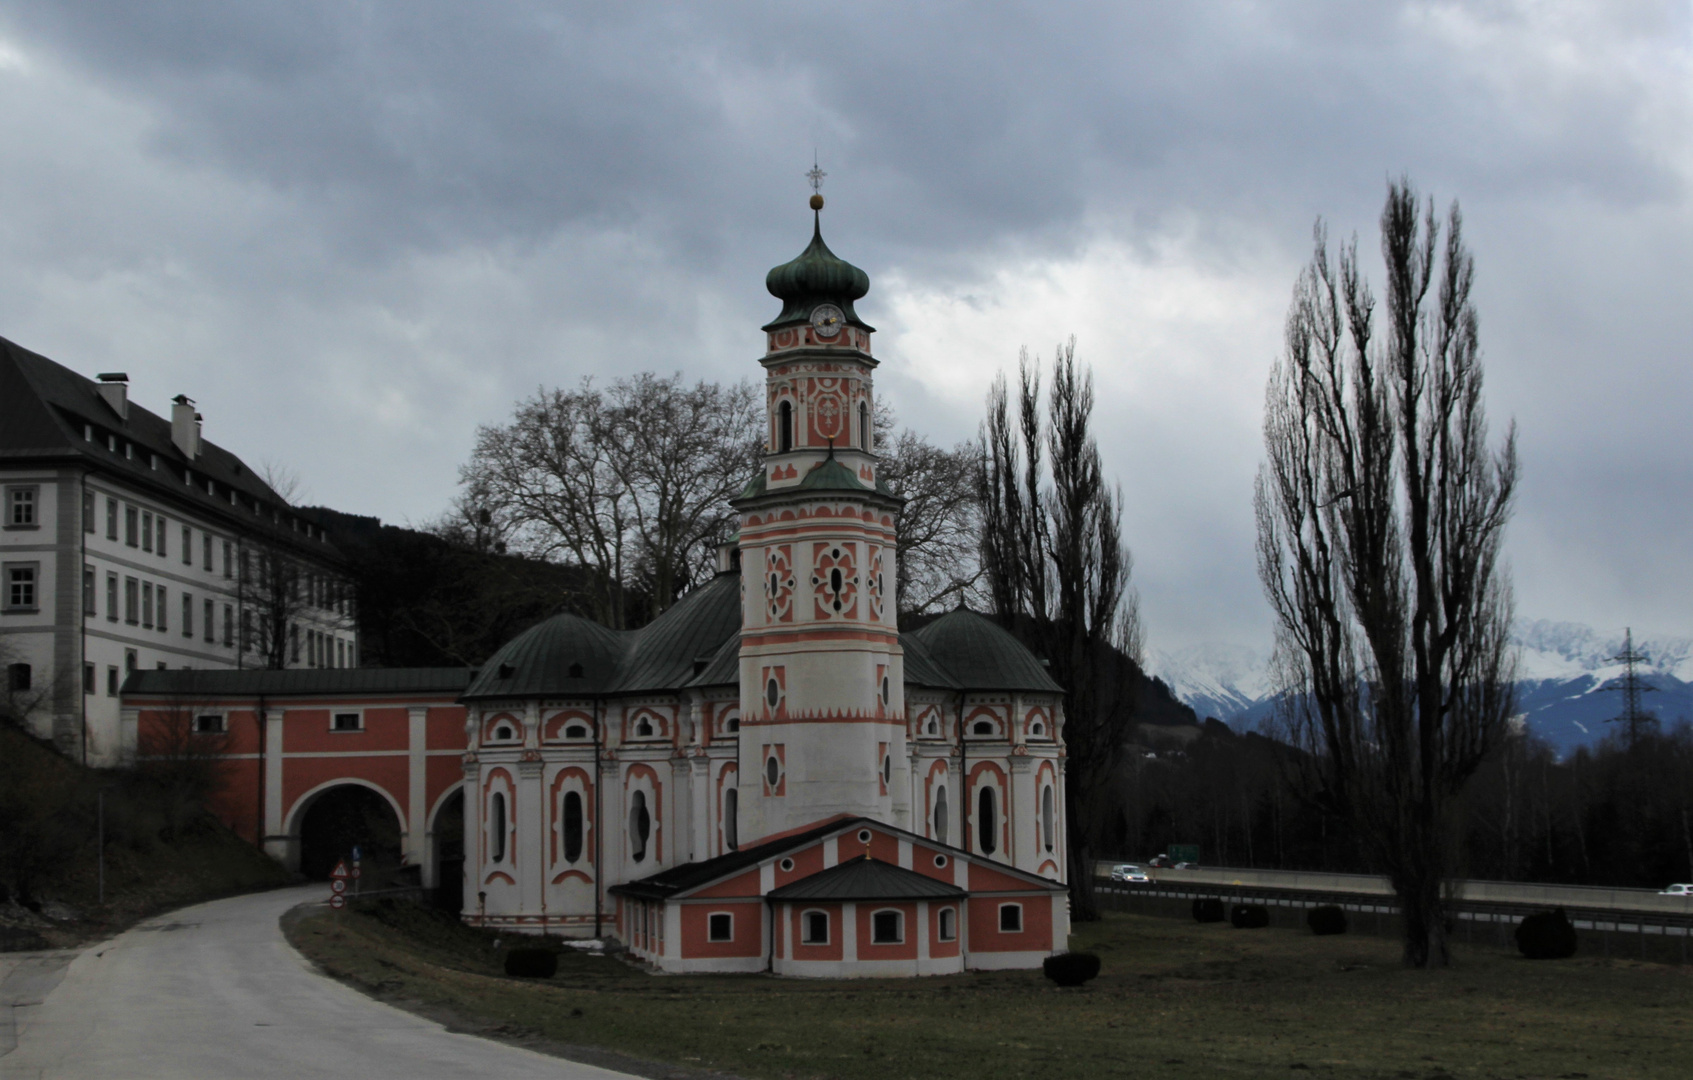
904 950
986 936
748 930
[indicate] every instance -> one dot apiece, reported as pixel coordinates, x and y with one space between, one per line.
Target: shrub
1071 969
1249 917
1546 935
1208 909
530 962
1327 919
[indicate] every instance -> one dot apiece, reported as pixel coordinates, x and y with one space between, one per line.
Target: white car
1677 890
1134 876
1121 872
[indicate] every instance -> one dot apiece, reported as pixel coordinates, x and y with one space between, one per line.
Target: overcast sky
355 231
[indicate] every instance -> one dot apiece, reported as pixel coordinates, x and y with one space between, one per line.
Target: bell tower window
864 425
785 427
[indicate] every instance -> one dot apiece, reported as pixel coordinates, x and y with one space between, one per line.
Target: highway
215 992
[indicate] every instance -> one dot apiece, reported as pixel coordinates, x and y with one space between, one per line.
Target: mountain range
1567 673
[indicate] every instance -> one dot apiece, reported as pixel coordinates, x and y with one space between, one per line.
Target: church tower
822 680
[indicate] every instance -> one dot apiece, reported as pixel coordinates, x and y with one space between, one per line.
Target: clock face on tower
827 320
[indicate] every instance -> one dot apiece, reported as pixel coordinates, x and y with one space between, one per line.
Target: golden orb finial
817 202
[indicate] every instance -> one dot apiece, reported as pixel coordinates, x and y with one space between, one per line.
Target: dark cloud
370 226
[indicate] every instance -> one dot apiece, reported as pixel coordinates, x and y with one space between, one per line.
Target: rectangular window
720 926
19 677
206 550
147 604
816 928
131 601
20 584
347 721
948 924
188 615
340 653
209 724
159 523
88 678
21 507
228 560
146 531
164 610
111 519
112 597
187 546
111 681
89 592
87 511
1010 918
228 627
206 610
131 526
886 927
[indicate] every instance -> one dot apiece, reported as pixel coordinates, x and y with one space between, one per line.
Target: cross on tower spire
816 176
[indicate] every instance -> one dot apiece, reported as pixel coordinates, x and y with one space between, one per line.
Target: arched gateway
769 776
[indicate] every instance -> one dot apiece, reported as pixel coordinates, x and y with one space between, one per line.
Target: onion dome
818 276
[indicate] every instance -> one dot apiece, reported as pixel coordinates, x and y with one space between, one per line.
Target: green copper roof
831 475
565 656
818 276
754 488
982 655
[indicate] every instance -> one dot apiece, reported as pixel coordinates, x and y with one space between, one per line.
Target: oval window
786 865
940 862
572 826
772 693
987 824
940 814
835 580
772 771
888 769
640 826
1048 812
886 695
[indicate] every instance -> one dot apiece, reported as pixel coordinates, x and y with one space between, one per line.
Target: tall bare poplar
1381 508
1058 574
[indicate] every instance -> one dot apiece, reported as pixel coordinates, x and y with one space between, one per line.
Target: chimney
114 388
185 426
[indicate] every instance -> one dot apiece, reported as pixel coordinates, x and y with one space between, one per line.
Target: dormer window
575 671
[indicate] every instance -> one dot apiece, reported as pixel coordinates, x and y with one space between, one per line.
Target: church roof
866 878
980 654
691 875
664 653
832 475
921 669
817 276
564 656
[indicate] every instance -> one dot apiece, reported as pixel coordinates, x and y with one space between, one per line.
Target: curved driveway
214 991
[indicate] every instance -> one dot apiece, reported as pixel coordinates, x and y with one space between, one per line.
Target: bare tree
940 525
1058 572
630 483
1380 513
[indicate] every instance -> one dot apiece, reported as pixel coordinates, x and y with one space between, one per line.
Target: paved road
215 992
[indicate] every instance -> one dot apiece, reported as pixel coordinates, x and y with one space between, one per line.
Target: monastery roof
670 651
866 878
44 407
690 875
564 656
982 655
301 682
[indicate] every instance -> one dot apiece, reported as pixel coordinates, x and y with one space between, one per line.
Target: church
770 776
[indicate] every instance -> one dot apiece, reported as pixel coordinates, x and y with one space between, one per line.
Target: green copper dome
818 276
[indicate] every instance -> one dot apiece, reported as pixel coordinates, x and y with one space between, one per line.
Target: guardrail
1479 892
1657 936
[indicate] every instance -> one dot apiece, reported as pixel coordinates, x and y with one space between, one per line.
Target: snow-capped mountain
1565 675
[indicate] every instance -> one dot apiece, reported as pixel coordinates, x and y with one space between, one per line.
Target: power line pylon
1634 717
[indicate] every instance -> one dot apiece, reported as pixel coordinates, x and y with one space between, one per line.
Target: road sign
337 902
1188 853
338 884
340 870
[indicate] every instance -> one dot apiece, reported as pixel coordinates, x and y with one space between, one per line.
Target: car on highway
1187 866
1677 890
1121 872
1136 876
1162 861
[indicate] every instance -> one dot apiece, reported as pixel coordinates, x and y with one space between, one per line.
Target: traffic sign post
338 885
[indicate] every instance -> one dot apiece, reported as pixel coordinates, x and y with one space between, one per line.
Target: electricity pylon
1632 686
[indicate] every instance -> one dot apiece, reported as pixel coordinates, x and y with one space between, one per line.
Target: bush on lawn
1209 909
1327 919
1249 917
530 962
1071 969
1546 935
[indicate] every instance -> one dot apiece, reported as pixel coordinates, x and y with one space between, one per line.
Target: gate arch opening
447 835
345 816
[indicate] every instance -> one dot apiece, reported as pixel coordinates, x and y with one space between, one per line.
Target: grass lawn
1175 999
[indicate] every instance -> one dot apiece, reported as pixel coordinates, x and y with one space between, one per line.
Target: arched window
784 427
940 813
982 727
1048 811
572 826
864 424
734 724
497 825
948 924
575 731
640 826
987 822
643 727
731 819
816 928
